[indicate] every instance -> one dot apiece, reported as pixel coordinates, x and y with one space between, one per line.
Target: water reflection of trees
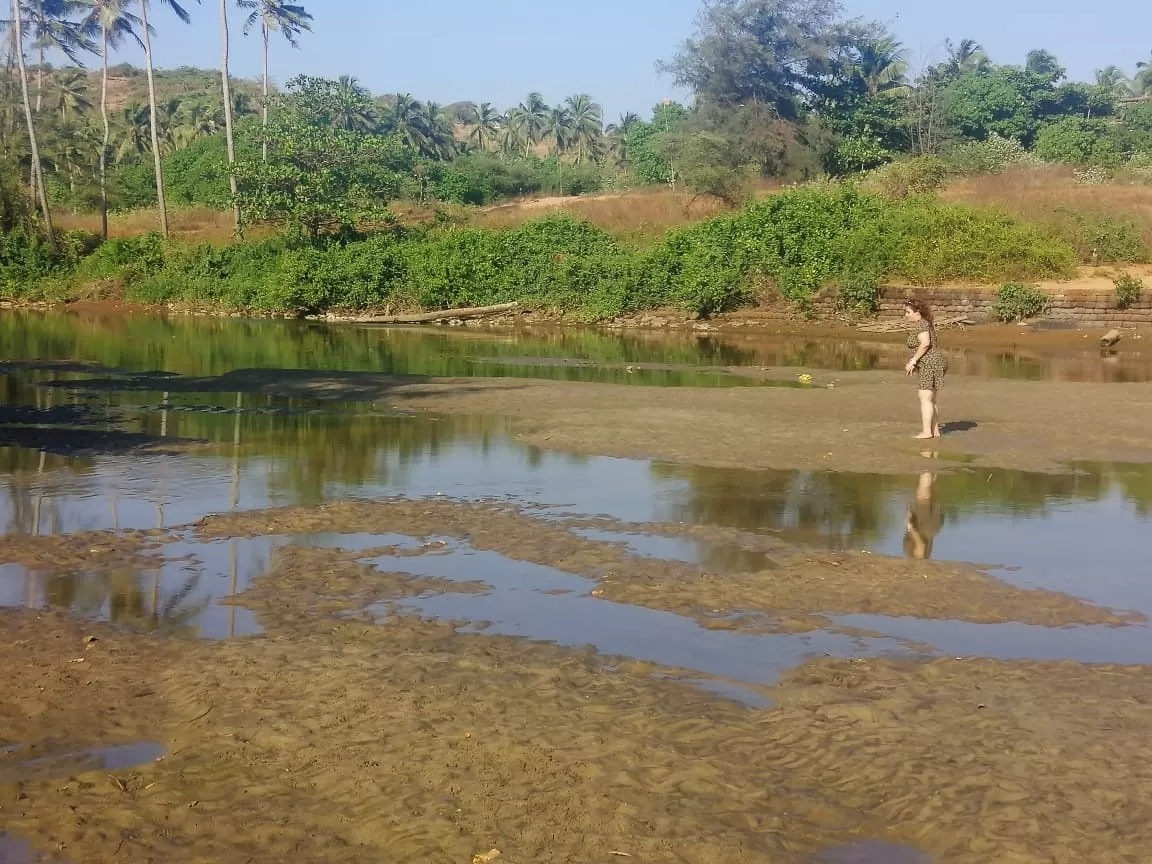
845 509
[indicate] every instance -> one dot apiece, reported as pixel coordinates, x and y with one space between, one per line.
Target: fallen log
1110 338
438 315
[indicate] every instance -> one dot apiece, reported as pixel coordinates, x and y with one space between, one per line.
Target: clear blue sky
499 50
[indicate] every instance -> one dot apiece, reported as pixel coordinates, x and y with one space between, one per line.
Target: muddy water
1082 532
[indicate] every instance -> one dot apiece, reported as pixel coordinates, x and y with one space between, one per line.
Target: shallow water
1083 532
213 346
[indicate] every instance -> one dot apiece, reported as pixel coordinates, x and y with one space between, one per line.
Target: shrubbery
1016 301
800 241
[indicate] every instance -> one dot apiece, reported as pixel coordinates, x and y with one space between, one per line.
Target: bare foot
925 437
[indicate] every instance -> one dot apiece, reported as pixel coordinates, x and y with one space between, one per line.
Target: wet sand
333 740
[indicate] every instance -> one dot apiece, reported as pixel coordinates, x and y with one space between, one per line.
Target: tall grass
1105 223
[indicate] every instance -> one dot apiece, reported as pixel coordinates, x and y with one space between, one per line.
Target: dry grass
199 224
630 215
1041 193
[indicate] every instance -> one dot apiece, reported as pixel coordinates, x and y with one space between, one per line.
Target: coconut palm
183 15
439 132
530 119
226 88
585 126
486 122
882 65
114 23
135 138
71 93
37 169
353 106
290 20
558 130
405 120
617 136
968 56
50 25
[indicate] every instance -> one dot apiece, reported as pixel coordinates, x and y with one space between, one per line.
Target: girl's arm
925 343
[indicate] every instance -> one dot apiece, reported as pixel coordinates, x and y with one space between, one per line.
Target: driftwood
439 315
899 324
1110 338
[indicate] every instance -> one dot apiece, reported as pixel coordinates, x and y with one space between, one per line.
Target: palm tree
558 130
530 119
114 22
585 125
618 136
968 56
1113 81
135 137
183 15
47 23
486 122
37 169
883 65
50 24
71 93
291 20
405 120
353 106
226 87
439 132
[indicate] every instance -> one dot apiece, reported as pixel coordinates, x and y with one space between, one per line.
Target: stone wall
1082 306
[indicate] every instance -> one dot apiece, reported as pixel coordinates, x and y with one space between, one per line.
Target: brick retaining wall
1095 308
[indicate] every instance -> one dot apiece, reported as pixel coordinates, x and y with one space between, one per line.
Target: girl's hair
919 307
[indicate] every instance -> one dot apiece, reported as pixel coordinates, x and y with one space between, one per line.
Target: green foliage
859 294
799 241
1128 289
861 152
1016 301
321 177
1100 238
918 175
993 155
1077 141
1007 100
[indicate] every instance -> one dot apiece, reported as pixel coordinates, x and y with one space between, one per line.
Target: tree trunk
160 202
228 134
37 169
107 134
264 118
40 80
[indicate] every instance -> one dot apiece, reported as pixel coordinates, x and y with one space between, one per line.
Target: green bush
859 294
801 242
916 176
1077 141
994 155
1016 301
1128 289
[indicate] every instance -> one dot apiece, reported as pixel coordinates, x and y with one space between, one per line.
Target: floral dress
933 365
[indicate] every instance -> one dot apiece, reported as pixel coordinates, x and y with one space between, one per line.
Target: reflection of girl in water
924 519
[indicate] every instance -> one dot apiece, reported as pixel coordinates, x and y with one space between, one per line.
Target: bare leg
936 414
927 413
